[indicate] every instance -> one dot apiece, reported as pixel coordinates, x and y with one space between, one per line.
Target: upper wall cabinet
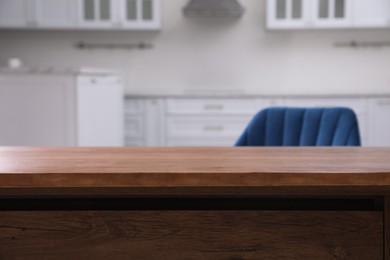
15 13
80 14
54 14
313 14
331 13
139 14
98 14
372 13
288 13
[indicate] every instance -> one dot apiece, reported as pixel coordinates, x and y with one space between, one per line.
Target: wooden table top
193 167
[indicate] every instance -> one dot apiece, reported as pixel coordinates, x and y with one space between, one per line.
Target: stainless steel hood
211 8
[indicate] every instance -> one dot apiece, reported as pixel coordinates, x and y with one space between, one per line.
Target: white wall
240 56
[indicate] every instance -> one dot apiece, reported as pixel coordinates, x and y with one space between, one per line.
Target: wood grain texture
387 228
193 167
191 235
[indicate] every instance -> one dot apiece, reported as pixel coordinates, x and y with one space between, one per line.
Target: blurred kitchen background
185 73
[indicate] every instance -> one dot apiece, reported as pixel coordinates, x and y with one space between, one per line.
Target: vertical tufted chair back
286 126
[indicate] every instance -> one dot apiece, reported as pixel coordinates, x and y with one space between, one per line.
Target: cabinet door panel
56 14
332 13
140 14
36 111
98 14
100 112
288 13
373 13
13 13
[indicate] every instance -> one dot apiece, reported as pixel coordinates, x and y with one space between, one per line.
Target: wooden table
194 203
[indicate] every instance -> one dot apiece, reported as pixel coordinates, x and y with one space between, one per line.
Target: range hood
217 8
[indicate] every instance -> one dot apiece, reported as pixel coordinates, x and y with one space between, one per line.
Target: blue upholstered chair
287 126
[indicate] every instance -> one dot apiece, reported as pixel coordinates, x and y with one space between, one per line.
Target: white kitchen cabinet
332 13
119 14
80 14
379 122
209 121
98 14
38 14
184 121
140 14
144 122
372 13
58 14
99 101
288 14
61 109
321 14
15 13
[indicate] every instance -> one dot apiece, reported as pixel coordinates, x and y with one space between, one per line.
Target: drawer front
206 126
134 106
134 127
212 106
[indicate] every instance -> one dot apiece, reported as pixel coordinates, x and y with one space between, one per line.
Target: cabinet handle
214 128
213 107
384 102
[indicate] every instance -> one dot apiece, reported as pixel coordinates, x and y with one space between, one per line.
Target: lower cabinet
68 109
144 122
207 121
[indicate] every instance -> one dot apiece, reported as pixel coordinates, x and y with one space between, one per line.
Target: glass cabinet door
97 13
287 13
140 14
332 13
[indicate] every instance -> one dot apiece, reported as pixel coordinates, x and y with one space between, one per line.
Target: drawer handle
213 128
213 107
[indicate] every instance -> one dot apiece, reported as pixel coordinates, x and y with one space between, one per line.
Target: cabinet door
100 116
284 14
154 122
332 13
134 122
379 122
58 14
36 110
372 13
140 14
14 13
98 14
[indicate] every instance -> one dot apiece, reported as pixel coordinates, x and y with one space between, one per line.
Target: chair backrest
287 126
